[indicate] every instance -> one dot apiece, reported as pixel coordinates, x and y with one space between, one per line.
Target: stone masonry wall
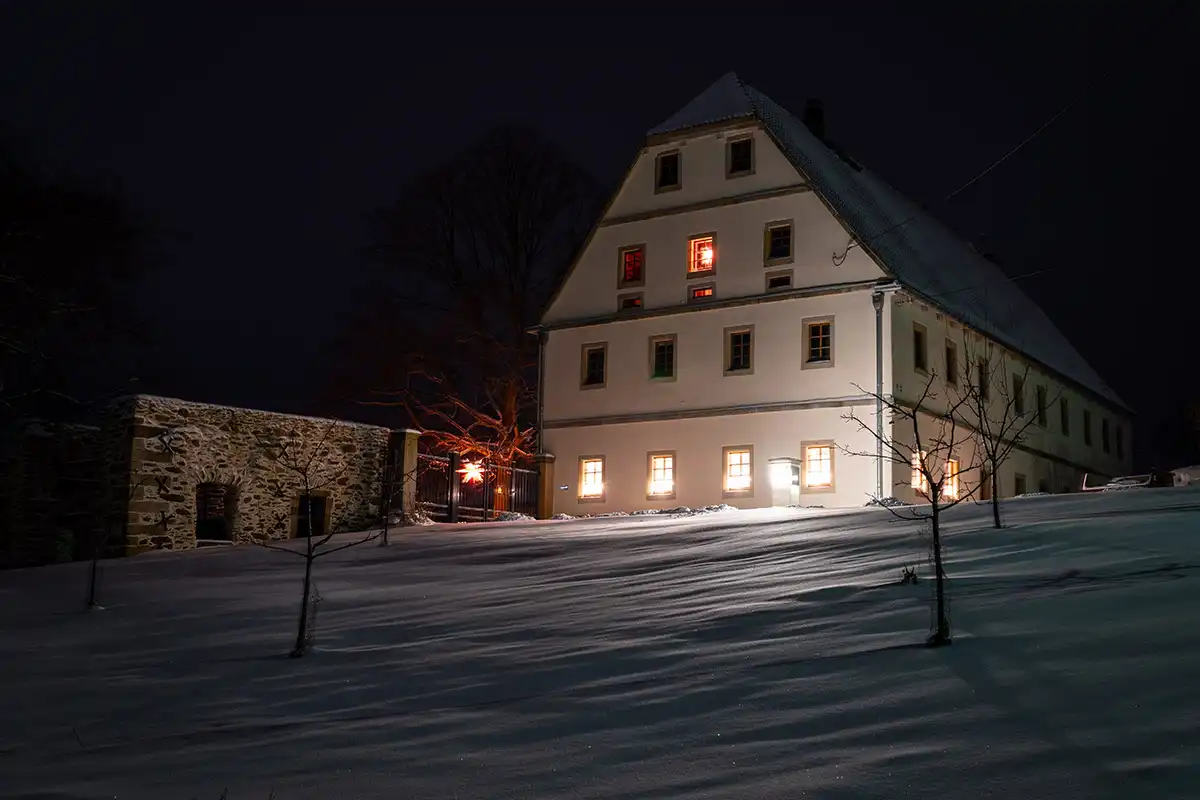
265 460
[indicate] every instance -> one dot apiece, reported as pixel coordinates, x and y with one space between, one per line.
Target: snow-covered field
762 654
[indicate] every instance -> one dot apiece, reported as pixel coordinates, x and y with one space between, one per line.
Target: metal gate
451 489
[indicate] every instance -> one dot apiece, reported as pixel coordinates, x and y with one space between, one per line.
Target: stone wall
263 461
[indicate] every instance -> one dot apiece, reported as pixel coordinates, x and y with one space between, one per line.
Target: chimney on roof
814 118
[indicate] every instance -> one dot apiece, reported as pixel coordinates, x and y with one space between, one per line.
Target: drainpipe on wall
541 379
877 298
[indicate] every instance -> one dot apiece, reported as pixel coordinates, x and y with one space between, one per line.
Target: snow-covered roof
918 251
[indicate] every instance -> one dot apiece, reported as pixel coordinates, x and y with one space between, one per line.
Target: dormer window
667 171
702 255
631 261
739 157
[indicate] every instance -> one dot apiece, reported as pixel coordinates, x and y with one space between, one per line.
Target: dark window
632 262
668 171
664 358
1064 416
1018 484
310 516
985 384
1018 394
1104 443
1041 406
741 156
920 362
702 292
779 282
739 351
1087 427
1120 442
779 242
593 368
630 302
820 342
951 363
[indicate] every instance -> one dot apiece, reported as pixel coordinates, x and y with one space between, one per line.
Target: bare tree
995 405
66 256
933 454
306 467
468 258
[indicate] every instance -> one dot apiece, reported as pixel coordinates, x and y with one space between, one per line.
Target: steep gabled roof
917 250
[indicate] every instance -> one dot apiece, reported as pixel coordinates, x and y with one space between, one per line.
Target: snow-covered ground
751 654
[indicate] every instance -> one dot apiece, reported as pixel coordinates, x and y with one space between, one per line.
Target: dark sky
253 137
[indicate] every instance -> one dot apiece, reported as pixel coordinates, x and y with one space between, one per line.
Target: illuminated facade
731 307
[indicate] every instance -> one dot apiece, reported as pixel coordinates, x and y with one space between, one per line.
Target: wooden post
545 485
406 469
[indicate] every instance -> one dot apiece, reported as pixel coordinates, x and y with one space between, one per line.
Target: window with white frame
919 482
662 475
738 462
818 466
591 478
950 482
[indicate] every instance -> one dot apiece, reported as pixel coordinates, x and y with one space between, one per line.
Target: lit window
818 466
667 172
630 302
703 292
633 264
591 477
819 348
919 482
737 470
702 254
950 484
777 243
741 157
662 475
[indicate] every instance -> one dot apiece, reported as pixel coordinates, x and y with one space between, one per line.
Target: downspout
877 298
877 302
541 379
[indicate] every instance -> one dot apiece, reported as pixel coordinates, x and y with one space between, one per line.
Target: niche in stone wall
216 510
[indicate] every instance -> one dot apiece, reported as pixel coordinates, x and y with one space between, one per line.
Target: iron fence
454 490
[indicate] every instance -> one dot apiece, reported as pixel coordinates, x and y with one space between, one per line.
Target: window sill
778 262
702 273
817 364
591 499
589 386
665 189
670 496
730 373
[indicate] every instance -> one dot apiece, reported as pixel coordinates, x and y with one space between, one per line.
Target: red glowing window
632 263
701 292
702 254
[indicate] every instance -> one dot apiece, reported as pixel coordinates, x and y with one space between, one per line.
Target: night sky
252 139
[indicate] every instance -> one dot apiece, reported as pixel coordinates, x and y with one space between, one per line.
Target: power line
1091 84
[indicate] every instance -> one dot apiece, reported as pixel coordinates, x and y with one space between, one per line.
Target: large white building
746 289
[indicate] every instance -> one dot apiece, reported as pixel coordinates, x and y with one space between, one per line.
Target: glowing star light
471 472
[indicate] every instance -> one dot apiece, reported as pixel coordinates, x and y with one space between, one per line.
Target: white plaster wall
698 444
779 351
703 172
591 290
908 383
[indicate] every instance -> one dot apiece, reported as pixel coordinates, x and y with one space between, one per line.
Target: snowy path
738 655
